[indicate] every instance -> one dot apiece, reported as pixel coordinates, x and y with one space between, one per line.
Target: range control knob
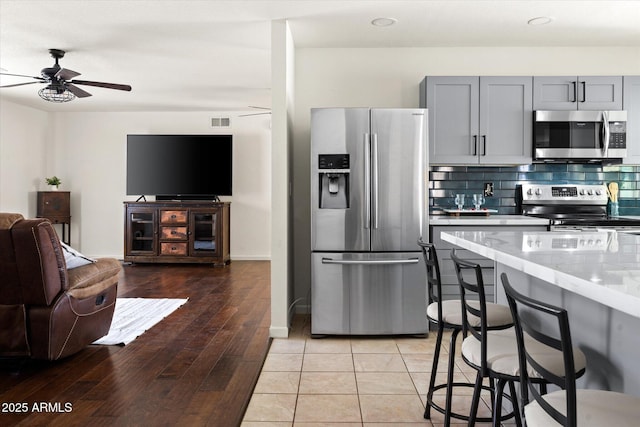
530 191
590 192
538 191
599 192
583 192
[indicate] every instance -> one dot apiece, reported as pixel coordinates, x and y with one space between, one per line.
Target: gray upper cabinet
478 120
506 120
454 107
577 93
632 106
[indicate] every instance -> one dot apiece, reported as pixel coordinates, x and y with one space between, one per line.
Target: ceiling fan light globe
56 94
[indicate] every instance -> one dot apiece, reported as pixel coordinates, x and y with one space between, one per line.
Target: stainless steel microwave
579 135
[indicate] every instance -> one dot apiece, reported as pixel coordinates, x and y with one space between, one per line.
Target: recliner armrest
92 279
7 219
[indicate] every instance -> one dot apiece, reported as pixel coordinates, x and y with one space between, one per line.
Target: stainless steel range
574 207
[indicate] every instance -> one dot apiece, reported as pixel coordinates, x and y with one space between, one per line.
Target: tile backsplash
446 181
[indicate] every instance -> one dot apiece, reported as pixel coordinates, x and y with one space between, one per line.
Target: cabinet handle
173 232
575 92
484 145
475 145
173 216
584 91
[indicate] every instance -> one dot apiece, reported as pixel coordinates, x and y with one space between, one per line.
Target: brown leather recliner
46 311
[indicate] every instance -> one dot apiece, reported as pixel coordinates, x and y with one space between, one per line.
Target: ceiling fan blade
20 84
40 79
101 84
253 114
21 75
256 114
66 74
77 91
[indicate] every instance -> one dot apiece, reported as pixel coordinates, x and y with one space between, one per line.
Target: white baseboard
250 257
278 332
119 257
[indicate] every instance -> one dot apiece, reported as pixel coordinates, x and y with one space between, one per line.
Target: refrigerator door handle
375 178
367 181
370 262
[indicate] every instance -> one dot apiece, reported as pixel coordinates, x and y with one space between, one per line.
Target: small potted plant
53 182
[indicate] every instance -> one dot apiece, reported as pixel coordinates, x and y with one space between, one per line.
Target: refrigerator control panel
333 161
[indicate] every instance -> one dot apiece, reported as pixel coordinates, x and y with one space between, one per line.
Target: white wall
388 77
282 70
88 152
25 150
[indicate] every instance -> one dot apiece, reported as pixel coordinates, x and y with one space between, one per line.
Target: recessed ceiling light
383 22
540 20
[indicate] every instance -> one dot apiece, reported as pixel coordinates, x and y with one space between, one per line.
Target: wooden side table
56 207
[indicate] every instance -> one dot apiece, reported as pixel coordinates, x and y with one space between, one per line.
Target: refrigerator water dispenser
334 181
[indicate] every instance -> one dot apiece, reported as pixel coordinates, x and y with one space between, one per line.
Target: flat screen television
179 167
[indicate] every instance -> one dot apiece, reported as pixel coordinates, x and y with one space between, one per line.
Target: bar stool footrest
442 410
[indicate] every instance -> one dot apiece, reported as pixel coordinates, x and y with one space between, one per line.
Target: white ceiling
210 55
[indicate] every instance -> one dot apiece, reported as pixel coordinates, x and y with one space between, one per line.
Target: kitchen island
487 220
594 275
446 223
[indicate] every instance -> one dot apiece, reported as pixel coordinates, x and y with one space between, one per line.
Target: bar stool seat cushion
502 354
497 315
593 407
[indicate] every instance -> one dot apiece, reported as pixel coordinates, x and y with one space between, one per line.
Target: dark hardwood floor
197 367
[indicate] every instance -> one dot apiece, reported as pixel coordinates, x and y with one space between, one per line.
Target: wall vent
221 122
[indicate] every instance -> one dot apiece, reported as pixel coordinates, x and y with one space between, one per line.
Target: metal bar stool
476 348
567 407
494 353
448 314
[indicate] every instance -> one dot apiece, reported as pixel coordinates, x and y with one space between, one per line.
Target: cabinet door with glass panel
205 227
142 235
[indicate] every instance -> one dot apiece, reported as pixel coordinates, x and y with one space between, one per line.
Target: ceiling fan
60 87
268 111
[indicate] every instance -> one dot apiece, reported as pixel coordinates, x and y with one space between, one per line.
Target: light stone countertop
602 266
486 220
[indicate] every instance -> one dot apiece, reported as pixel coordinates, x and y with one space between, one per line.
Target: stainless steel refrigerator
369 190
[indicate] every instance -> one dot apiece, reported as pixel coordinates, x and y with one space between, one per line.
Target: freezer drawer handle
370 262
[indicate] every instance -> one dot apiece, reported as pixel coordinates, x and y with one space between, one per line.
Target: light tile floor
349 381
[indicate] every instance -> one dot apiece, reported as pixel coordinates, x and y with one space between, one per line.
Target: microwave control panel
618 135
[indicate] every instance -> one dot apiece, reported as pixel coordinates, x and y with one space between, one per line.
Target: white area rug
133 316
